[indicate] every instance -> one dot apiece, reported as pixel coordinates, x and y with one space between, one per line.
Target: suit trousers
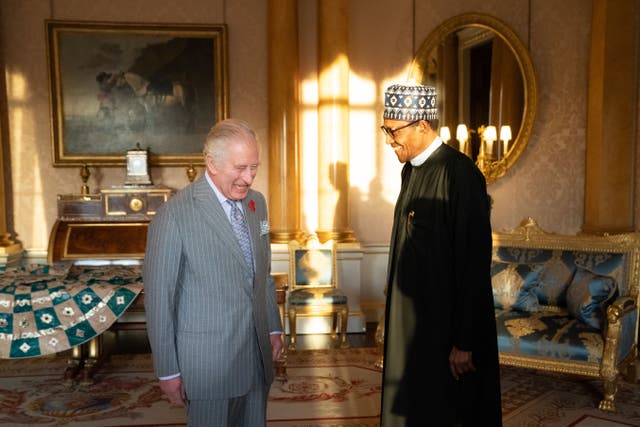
249 410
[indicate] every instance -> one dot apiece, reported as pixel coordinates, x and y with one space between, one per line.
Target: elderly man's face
234 176
407 139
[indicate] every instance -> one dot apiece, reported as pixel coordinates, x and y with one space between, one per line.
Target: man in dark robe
441 356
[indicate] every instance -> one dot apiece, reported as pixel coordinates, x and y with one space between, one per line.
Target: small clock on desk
138 167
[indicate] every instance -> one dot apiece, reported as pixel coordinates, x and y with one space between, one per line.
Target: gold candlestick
84 175
191 173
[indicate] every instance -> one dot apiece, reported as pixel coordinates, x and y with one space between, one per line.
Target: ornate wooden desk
107 228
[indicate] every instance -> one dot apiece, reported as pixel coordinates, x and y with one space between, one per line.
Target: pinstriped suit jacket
205 317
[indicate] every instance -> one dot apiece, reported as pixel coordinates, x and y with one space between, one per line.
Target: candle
505 136
445 134
489 136
462 135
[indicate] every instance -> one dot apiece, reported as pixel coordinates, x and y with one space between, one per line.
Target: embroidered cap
410 102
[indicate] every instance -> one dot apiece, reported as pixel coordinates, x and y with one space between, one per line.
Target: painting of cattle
115 86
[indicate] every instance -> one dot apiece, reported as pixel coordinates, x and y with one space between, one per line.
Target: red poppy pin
252 205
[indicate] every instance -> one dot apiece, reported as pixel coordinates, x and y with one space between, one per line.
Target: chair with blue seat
314 287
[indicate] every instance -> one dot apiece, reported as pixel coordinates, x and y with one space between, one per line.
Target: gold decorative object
337 236
84 174
136 204
491 162
191 173
492 153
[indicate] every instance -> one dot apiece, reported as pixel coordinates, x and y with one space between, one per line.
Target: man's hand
174 389
460 362
276 346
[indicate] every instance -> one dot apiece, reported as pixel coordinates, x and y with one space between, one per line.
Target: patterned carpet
323 388
532 398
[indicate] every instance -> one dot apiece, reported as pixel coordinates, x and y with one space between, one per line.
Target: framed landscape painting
117 86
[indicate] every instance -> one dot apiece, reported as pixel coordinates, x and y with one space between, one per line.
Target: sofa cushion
558 267
554 280
514 285
605 264
588 295
302 297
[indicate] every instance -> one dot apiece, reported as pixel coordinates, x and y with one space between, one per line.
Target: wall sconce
445 134
491 162
492 166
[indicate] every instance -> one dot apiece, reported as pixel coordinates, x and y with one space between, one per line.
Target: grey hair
225 133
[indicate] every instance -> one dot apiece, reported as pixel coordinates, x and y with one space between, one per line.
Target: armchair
314 287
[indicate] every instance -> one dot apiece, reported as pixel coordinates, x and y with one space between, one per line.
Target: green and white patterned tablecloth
48 309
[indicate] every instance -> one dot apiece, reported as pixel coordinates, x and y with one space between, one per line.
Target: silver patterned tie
241 231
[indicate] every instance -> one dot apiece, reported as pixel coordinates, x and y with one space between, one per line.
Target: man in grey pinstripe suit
212 318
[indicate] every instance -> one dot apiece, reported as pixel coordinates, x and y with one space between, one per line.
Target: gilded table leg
280 365
74 363
379 337
292 329
344 318
93 360
334 325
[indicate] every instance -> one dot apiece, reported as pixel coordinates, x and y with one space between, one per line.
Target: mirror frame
419 65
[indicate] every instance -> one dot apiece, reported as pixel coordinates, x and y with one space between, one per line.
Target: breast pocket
419 224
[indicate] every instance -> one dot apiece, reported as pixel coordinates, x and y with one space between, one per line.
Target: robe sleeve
472 254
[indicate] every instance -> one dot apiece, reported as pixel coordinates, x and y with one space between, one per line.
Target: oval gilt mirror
484 79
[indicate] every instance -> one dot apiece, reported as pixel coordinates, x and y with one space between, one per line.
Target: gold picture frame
115 86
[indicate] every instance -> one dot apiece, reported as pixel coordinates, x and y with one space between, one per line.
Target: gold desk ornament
84 175
191 173
138 167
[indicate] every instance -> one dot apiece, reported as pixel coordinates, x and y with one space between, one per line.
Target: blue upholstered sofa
567 303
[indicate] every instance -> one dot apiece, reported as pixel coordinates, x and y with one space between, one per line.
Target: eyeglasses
391 131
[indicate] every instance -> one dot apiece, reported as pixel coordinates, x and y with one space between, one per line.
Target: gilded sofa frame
529 235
